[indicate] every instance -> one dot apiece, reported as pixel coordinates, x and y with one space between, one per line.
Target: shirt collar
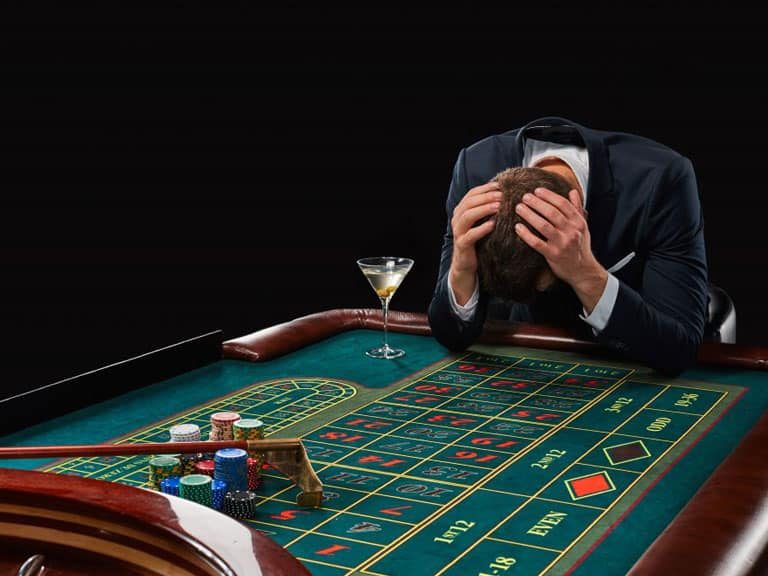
576 157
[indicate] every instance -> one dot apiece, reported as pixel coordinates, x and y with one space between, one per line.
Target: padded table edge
290 336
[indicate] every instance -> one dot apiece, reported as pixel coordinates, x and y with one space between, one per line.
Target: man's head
507 266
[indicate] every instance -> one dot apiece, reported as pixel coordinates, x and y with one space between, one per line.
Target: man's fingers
547 210
478 232
479 199
576 200
568 207
539 223
468 218
489 187
531 239
578 203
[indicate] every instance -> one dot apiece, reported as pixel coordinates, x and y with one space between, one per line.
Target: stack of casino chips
219 489
170 485
230 465
206 467
187 461
240 504
221 425
186 433
250 429
162 467
197 487
254 473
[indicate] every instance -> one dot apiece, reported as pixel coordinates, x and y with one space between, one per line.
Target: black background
176 167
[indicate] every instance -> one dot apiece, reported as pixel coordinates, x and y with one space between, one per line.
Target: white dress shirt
577 159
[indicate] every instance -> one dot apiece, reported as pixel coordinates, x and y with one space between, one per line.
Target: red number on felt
507 444
485 441
418 399
547 417
465 454
373 424
433 388
374 458
331 550
394 511
486 458
473 368
340 436
288 514
469 455
453 422
508 384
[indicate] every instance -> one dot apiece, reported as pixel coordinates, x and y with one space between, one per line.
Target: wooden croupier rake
286 455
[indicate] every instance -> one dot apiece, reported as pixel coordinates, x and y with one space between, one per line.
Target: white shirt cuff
602 312
466 312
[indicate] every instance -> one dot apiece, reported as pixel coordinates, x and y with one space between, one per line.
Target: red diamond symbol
590 485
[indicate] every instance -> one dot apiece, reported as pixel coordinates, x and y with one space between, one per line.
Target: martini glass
385 273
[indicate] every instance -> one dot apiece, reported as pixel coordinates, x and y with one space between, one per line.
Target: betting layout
278 404
488 464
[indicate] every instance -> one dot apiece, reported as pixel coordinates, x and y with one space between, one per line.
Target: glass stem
385 310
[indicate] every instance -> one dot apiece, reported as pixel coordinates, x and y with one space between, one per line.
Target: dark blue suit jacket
641 197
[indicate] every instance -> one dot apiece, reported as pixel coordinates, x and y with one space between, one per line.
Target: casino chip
254 473
185 433
219 491
250 429
161 467
170 485
197 487
206 467
221 425
240 504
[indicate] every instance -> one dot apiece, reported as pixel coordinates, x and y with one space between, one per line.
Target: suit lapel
601 195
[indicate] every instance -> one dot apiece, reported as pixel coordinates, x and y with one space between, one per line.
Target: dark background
175 167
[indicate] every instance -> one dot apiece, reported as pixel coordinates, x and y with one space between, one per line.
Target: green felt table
498 460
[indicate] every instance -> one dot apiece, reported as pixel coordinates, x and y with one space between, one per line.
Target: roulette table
532 452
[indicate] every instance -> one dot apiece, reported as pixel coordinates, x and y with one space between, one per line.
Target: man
626 247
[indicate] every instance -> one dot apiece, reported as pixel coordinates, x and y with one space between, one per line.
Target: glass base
385 353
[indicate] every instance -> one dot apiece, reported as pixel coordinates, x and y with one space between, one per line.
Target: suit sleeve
447 328
662 324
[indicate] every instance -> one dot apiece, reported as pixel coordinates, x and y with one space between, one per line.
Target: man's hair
509 268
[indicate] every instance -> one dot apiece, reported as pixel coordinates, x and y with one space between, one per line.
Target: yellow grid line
369 516
503 541
431 425
610 467
339 566
619 434
496 491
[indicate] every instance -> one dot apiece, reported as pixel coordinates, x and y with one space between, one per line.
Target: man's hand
480 202
567 245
